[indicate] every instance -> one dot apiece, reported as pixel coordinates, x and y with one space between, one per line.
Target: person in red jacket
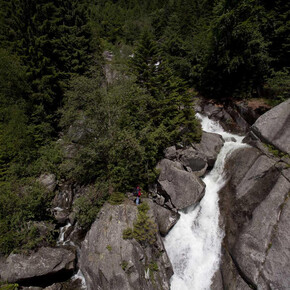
138 191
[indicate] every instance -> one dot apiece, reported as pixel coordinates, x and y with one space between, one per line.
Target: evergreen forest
94 91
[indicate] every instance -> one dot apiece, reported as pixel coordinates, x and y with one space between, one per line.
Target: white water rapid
194 244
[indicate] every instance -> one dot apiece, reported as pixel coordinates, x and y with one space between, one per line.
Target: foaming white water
61 237
79 275
194 244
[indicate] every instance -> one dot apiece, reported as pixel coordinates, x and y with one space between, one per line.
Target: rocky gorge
124 248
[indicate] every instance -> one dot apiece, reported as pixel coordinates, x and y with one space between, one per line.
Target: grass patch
276 152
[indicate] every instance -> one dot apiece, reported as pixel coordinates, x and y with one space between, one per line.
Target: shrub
116 198
144 229
124 265
128 234
88 205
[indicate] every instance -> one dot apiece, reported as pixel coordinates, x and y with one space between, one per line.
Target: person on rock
138 194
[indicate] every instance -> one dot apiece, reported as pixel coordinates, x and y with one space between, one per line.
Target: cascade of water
194 244
79 276
61 237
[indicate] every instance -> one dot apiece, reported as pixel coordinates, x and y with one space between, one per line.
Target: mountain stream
194 243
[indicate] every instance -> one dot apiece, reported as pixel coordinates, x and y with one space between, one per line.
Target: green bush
22 203
144 229
128 234
87 206
124 265
116 198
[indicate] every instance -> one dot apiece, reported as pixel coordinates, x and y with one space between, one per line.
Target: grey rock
247 113
217 281
182 187
253 243
170 153
273 127
238 119
254 208
160 200
46 262
48 180
230 139
209 147
196 161
276 268
110 262
64 197
230 274
165 219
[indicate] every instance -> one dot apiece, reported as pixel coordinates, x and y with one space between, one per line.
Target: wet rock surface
108 261
209 146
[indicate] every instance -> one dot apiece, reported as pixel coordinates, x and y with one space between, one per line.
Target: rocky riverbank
117 254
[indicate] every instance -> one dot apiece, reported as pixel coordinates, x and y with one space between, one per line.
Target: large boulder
230 274
48 180
273 127
263 236
181 187
42 268
209 147
165 219
193 160
254 206
108 261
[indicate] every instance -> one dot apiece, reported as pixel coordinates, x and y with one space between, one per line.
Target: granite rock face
273 127
39 268
181 187
255 210
209 146
108 261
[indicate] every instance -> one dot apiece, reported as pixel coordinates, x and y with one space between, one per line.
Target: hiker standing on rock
138 194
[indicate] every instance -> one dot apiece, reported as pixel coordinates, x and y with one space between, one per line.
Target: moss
153 267
109 248
124 265
276 152
8 286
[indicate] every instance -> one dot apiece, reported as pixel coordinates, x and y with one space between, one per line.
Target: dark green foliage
52 79
277 88
144 229
116 198
20 204
87 206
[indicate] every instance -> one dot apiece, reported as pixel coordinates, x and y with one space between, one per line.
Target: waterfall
194 244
